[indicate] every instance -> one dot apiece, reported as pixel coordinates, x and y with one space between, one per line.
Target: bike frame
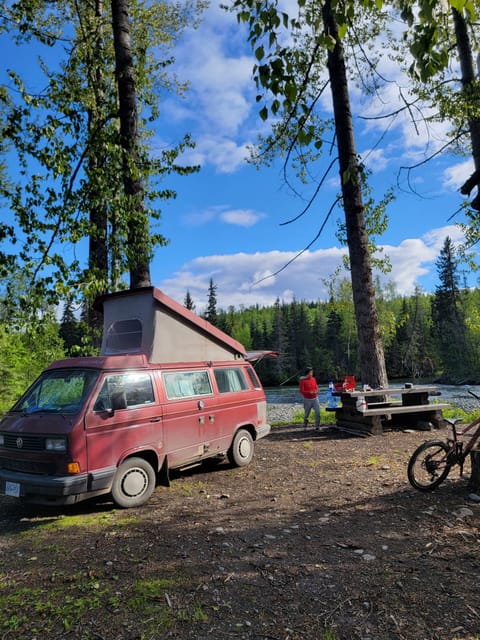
464 449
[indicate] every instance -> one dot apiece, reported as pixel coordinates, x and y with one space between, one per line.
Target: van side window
230 380
124 391
124 336
254 378
186 384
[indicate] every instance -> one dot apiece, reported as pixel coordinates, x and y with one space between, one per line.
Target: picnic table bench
407 406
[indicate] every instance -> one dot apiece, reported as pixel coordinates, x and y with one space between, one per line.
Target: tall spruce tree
188 302
211 311
448 317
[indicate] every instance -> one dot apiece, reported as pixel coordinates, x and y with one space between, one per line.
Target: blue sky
226 222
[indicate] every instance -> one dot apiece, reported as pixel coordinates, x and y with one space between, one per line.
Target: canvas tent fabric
150 322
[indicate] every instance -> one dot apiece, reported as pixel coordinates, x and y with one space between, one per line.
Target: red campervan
168 390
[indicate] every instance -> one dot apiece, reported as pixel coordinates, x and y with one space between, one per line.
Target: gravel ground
283 412
320 538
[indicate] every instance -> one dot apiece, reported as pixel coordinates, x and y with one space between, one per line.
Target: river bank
284 402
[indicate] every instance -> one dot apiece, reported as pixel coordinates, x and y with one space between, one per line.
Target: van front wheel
133 483
241 452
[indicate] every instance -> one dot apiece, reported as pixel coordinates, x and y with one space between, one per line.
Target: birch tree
299 56
71 151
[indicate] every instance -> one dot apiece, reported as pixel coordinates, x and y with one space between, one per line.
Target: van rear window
229 380
187 384
254 378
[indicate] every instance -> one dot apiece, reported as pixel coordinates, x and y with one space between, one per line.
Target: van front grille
23 442
27 466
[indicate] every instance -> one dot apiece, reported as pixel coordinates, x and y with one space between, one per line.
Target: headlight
56 444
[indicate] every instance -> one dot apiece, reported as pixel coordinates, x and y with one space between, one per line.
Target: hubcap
134 483
244 448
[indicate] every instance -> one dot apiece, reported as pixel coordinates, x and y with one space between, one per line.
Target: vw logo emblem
19 443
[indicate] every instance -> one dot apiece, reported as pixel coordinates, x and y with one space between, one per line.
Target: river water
456 395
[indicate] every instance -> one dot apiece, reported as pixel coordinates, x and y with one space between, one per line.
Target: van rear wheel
241 452
133 483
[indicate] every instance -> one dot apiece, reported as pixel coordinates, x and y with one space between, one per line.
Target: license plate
12 489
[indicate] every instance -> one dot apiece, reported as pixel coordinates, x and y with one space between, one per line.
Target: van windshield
58 391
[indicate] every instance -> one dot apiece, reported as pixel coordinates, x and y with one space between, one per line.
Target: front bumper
55 489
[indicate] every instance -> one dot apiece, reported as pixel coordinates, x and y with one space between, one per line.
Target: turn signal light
73 467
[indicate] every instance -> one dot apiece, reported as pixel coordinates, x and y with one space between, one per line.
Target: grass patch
39 610
189 489
63 522
326 417
151 603
457 412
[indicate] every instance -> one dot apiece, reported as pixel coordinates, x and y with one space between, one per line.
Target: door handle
155 419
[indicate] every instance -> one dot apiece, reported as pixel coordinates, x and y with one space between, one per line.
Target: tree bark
371 356
138 231
468 83
98 244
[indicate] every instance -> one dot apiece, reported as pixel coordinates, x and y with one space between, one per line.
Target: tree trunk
468 83
98 246
138 228
372 360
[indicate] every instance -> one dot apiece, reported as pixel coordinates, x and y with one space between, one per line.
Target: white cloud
225 214
261 278
374 159
435 238
455 176
222 152
217 63
247 278
241 217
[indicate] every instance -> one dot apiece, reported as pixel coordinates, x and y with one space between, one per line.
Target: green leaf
342 30
263 113
259 53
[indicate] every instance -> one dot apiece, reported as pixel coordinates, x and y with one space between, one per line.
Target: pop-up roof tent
150 322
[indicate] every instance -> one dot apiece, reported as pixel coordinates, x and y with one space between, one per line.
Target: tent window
124 336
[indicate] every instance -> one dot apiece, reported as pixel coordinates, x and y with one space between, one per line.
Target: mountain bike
432 461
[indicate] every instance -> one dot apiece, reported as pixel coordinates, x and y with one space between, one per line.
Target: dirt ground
320 538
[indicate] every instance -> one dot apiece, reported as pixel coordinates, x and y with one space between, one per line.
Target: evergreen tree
211 312
70 329
188 302
448 316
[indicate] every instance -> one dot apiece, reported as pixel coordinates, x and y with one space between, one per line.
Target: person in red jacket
309 391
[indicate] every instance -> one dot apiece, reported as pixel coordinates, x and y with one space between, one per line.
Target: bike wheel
429 466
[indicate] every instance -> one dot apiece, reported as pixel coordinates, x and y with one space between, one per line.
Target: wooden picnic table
381 409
